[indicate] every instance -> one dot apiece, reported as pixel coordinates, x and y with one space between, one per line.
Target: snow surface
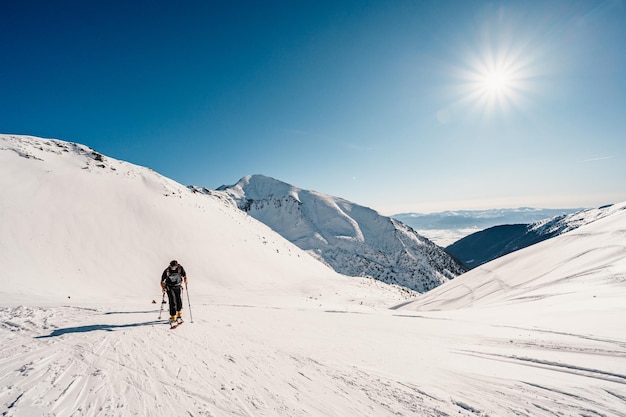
539 332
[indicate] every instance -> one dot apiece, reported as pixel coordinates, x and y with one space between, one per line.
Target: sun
496 71
494 83
497 81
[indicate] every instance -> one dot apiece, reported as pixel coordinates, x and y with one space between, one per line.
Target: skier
171 282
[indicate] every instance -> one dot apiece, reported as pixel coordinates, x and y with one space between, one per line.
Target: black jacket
166 274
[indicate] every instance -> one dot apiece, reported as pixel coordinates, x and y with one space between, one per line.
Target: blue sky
397 105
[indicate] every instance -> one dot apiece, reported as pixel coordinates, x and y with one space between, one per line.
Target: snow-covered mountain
63 203
352 239
83 241
494 242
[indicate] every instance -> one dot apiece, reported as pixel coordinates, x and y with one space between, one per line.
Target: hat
173 263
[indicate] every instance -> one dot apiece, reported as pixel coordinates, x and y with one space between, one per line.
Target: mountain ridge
73 200
494 242
352 239
459 219
447 227
590 259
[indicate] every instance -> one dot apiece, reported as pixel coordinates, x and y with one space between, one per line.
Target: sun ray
495 71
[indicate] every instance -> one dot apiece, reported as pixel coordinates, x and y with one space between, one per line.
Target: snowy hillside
352 239
494 242
582 269
274 332
558 225
102 228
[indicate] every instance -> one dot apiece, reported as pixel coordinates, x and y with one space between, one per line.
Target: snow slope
352 239
566 297
274 332
99 229
583 268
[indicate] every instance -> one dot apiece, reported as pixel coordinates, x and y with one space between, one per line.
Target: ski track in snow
72 361
98 369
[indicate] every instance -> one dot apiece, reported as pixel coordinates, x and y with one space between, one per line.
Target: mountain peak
260 186
102 228
352 239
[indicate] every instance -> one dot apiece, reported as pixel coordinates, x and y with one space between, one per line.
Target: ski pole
189 302
162 302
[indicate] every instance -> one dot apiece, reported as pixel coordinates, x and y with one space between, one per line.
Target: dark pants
175 300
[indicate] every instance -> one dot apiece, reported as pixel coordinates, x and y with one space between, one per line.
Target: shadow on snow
131 312
95 327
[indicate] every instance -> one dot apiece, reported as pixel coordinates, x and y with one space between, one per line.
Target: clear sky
397 105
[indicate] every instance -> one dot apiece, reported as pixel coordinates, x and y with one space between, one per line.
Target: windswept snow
276 333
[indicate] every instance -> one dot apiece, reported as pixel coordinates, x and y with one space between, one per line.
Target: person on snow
171 282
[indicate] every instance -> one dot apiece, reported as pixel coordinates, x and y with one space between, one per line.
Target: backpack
174 278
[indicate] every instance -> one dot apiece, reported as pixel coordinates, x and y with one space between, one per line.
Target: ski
174 325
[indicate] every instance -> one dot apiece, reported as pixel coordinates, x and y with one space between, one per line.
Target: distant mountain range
352 239
447 227
481 219
494 242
